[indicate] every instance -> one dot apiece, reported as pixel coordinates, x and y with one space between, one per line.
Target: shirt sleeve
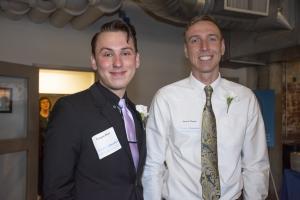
156 132
255 161
61 152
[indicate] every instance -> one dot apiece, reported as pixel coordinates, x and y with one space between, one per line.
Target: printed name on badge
106 142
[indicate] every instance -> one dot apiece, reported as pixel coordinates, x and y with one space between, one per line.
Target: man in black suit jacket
87 154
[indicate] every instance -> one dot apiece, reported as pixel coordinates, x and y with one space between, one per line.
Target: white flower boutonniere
143 110
229 99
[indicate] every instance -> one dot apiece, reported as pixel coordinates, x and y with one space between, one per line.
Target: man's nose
117 61
204 45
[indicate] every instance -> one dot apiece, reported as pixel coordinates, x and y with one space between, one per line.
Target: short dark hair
199 18
115 26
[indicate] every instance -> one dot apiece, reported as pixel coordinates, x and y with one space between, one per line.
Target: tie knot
122 103
208 91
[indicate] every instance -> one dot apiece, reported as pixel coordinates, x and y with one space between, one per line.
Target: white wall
28 43
160 46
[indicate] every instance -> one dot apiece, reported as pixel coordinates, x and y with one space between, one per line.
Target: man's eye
213 38
107 54
194 40
126 53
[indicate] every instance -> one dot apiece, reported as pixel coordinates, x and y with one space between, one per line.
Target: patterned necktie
209 180
130 131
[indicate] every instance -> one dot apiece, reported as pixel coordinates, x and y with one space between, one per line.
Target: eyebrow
209 35
214 34
109 49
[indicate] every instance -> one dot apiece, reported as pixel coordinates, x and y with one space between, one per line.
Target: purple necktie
130 131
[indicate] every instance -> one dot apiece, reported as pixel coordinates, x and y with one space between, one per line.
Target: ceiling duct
178 11
14 10
250 15
81 13
245 15
41 10
96 9
67 10
251 7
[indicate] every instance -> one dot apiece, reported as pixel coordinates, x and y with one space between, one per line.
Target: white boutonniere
229 98
143 110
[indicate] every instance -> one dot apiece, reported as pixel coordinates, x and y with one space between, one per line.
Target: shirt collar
108 94
198 84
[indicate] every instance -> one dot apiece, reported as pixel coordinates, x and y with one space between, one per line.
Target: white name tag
106 142
189 124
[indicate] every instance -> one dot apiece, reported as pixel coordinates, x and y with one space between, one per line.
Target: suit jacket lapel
112 114
141 141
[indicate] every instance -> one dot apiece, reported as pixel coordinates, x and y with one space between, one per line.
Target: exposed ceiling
256 31
80 13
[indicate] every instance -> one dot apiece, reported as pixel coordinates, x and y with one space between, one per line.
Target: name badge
189 124
106 142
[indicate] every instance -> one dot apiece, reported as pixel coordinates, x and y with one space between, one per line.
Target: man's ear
185 51
223 47
137 60
93 63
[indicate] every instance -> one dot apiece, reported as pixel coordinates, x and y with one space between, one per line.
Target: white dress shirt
174 137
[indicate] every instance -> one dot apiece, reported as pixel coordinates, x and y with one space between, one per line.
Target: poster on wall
5 100
266 99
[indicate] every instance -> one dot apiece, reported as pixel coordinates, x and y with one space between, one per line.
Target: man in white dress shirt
173 164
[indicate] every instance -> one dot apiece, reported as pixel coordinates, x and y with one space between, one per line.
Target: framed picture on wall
5 100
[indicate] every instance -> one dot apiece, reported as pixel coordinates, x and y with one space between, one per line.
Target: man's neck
206 78
119 92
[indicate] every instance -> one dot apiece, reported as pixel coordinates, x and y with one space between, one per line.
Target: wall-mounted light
64 81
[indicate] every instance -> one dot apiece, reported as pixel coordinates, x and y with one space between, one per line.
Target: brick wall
291 102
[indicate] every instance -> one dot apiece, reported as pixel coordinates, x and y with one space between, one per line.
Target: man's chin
119 86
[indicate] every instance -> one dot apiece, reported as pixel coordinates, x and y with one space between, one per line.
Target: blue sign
266 99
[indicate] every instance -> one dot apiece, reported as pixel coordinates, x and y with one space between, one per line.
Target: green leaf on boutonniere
229 100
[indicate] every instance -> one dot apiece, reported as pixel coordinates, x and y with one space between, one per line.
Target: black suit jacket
72 168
